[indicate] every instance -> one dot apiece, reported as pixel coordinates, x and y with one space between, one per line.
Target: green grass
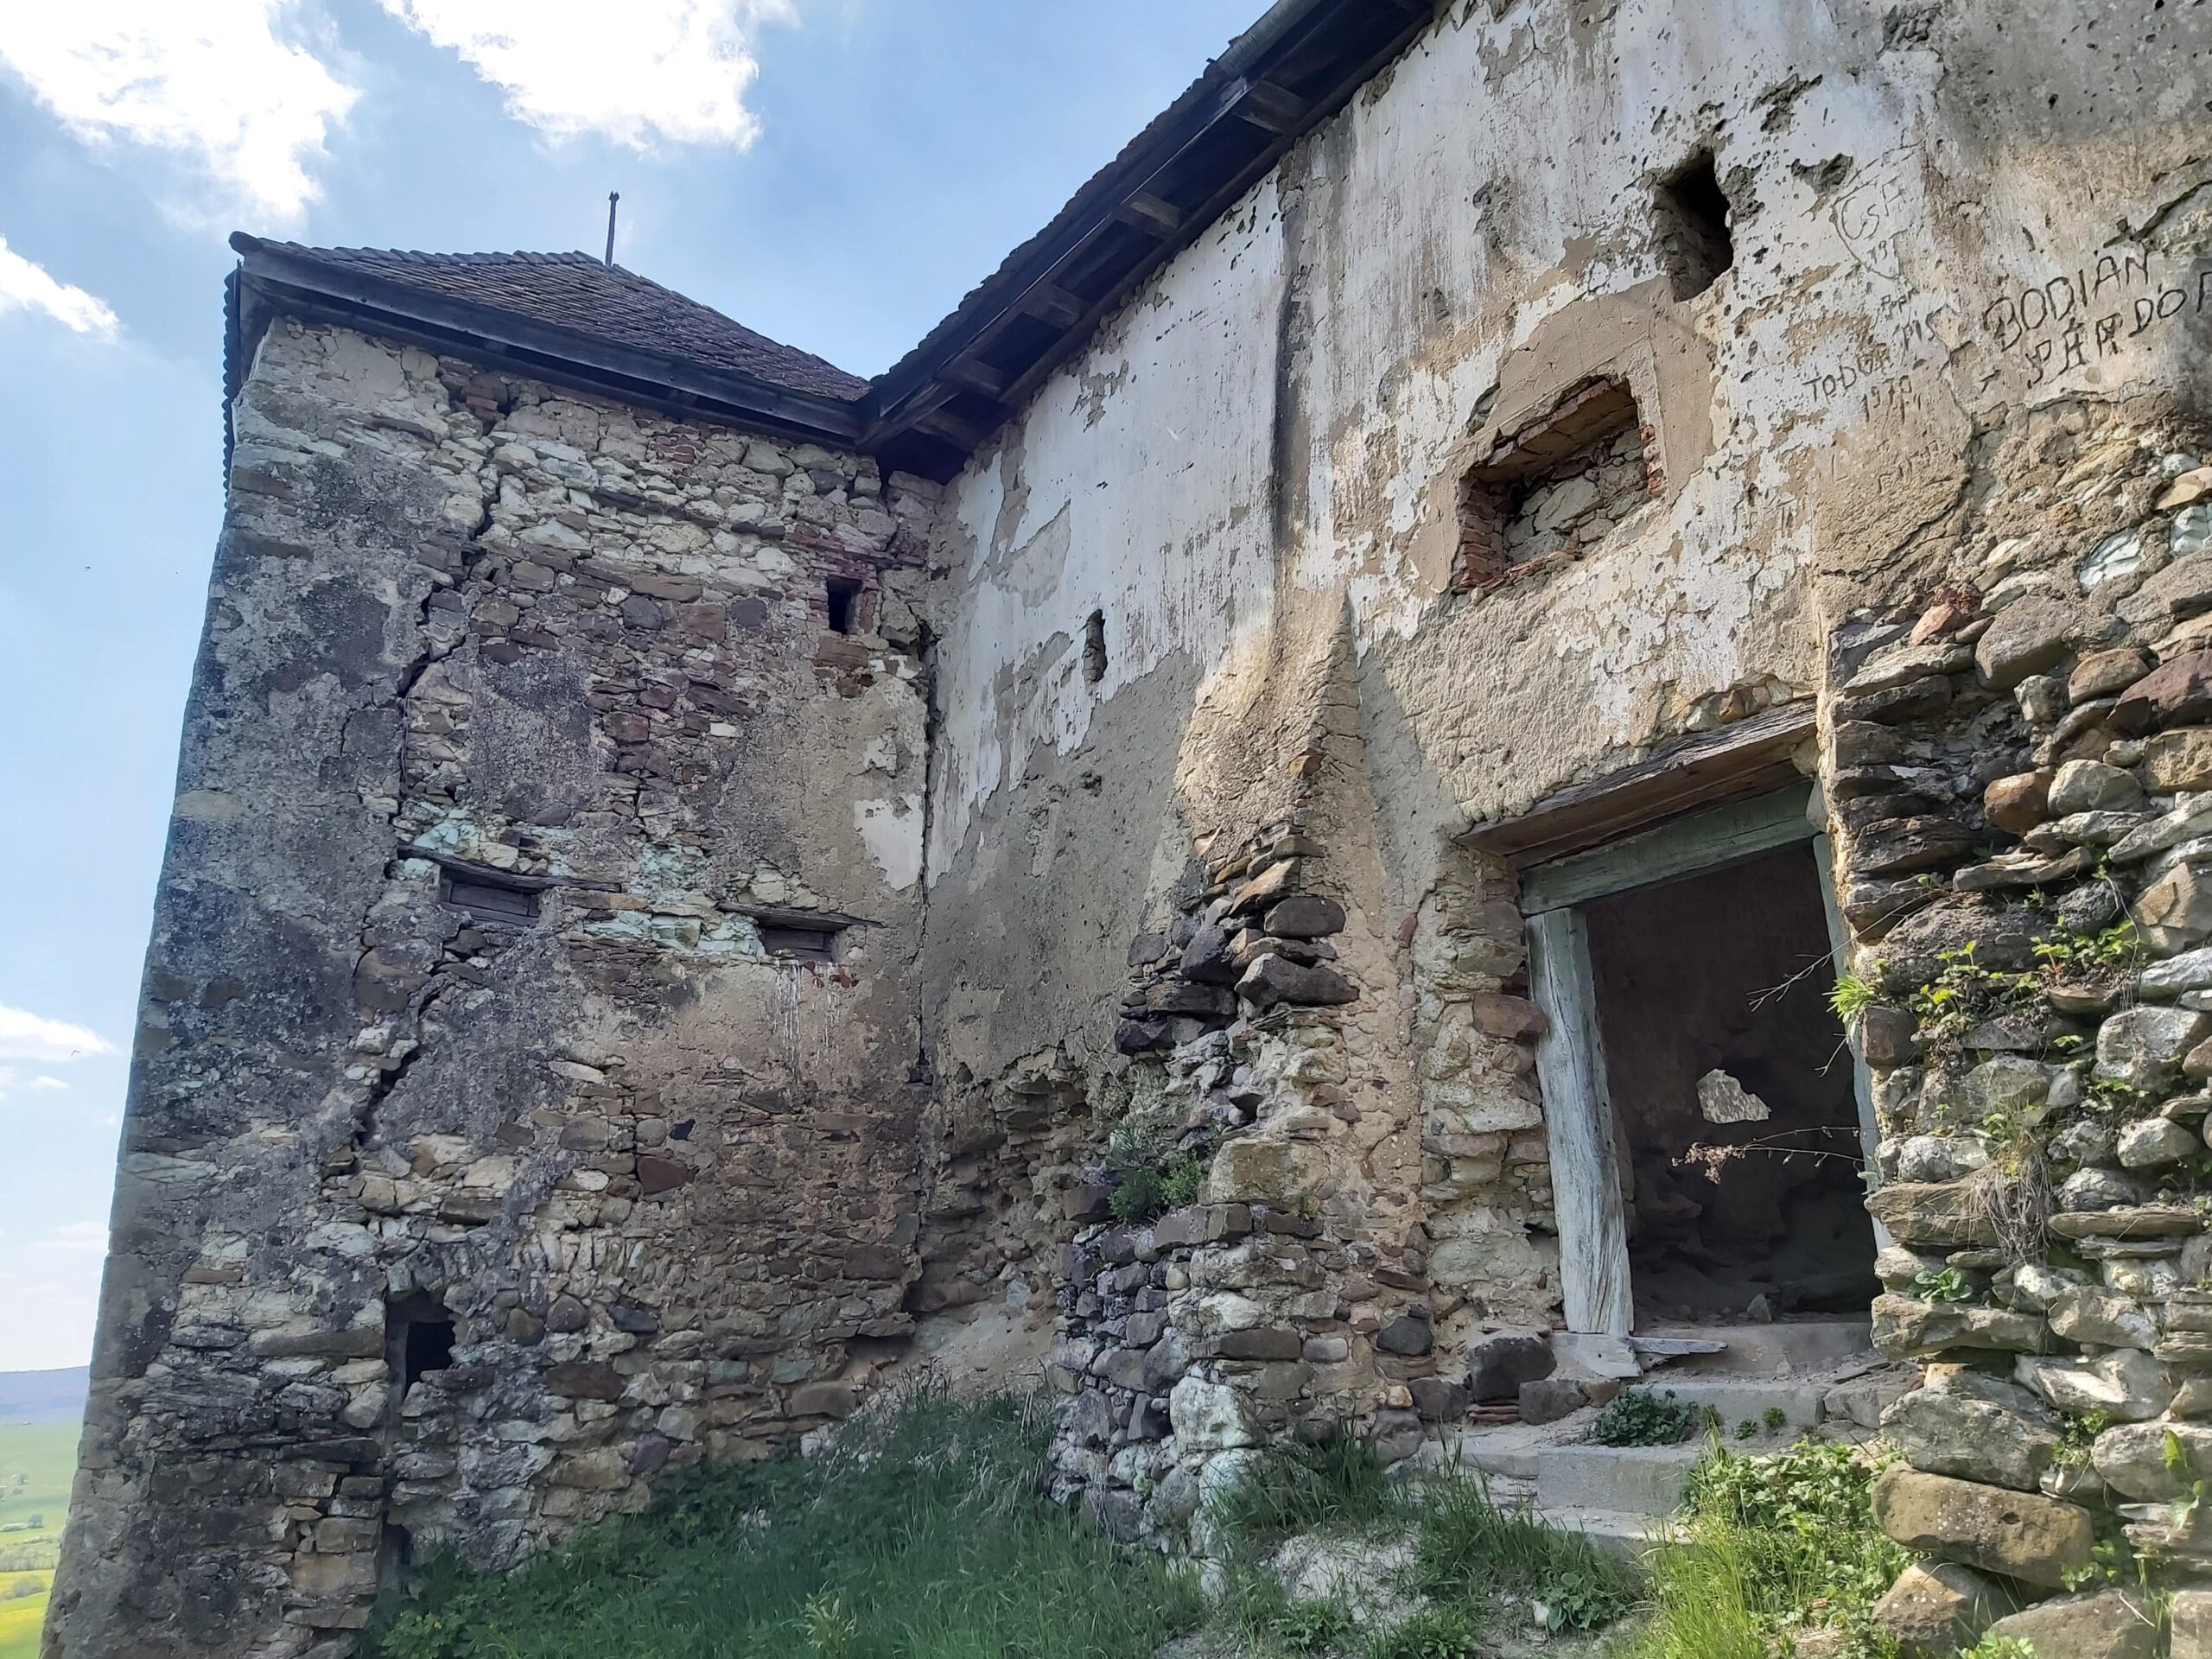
1474 1557
20 1620
1480 1572
923 1533
924 1536
1298 1488
37 1462
1768 1548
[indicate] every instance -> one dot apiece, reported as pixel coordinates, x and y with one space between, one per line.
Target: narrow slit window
1695 245
1094 648
844 599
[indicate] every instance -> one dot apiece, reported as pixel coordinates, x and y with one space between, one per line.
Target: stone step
1493 1453
1787 1348
1646 1480
1617 1532
1733 1399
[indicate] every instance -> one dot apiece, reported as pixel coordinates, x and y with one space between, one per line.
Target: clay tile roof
577 292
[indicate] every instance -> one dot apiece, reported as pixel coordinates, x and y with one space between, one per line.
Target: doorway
1709 1122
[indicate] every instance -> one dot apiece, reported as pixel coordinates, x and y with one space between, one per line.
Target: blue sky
834 173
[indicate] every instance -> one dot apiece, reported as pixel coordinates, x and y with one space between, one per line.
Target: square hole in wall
1691 211
1554 488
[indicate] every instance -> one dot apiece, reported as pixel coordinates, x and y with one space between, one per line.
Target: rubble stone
1977 1429
2022 1535
2103 1624
1937 1608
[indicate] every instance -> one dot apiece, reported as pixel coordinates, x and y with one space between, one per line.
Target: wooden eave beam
971 375
1155 215
1748 758
1268 107
1140 204
1049 302
941 424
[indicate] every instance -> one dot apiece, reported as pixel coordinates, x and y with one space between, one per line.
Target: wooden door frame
1578 1122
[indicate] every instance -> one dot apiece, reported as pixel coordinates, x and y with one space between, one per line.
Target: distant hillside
43 1397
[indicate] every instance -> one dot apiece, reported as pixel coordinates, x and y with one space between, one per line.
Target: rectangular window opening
486 898
799 944
844 599
1555 488
1692 223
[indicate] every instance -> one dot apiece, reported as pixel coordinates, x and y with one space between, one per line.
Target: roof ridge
587 296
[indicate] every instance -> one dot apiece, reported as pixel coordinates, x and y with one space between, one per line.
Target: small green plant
1186 1173
1963 994
1432 1633
2175 1456
1310 1626
1642 1417
1777 1420
830 1631
1998 1647
2113 1559
1942 1285
2100 955
1150 1179
2114 1096
2080 1434
1850 997
1248 1599
1469 1552
421 1636
1747 1430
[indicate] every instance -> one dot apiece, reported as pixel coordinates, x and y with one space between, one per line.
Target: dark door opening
1734 1112
418 1339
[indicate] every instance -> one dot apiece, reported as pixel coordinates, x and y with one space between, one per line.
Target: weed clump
1473 1553
1769 1549
1342 1486
1641 1417
1464 1570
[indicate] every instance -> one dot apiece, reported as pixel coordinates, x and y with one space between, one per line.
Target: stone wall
525 790
2016 770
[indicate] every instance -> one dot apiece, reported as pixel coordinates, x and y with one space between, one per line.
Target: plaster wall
1957 233
1262 450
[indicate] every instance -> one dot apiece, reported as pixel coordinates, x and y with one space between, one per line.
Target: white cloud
47 1083
645 69
51 1313
26 287
210 79
77 1238
26 1036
